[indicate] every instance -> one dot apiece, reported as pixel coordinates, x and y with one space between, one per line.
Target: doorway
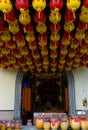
18 92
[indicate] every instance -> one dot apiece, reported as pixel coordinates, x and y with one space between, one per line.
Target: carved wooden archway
18 89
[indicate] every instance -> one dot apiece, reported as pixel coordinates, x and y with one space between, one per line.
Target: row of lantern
32 37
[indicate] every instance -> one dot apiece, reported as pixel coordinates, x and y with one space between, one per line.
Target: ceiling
43 36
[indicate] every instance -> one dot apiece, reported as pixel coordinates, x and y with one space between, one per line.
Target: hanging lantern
55 36
80 35
5 6
69 26
14 27
16 53
18 36
73 5
67 35
71 53
56 4
30 37
65 42
41 28
5 51
53 69
22 4
54 16
63 51
6 36
84 15
44 52
20 44
77 59
69 16
39 5
55 27
29 62
10 16
53 45
82 26
12 60
86 3
37 63
53 54
32 45
45 62
24 17
28 28
41 18
69 61
10 44
53 62
39 69
35 54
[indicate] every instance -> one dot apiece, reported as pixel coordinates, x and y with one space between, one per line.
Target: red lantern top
86 3
56 4
21 4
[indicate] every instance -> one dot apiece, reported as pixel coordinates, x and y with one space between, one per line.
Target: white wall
81 87
7 89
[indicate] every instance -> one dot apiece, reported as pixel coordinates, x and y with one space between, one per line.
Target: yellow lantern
41 27
44 52
21 43
39 5
73 5
24 17
30 37
80 35
55 36
84 16
14 27
69 26
6 36
83 50
29 62
63 51
45 62
77 59
65 42
12 60
62 61
5 51
53 69
54 16
5 6
24 51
